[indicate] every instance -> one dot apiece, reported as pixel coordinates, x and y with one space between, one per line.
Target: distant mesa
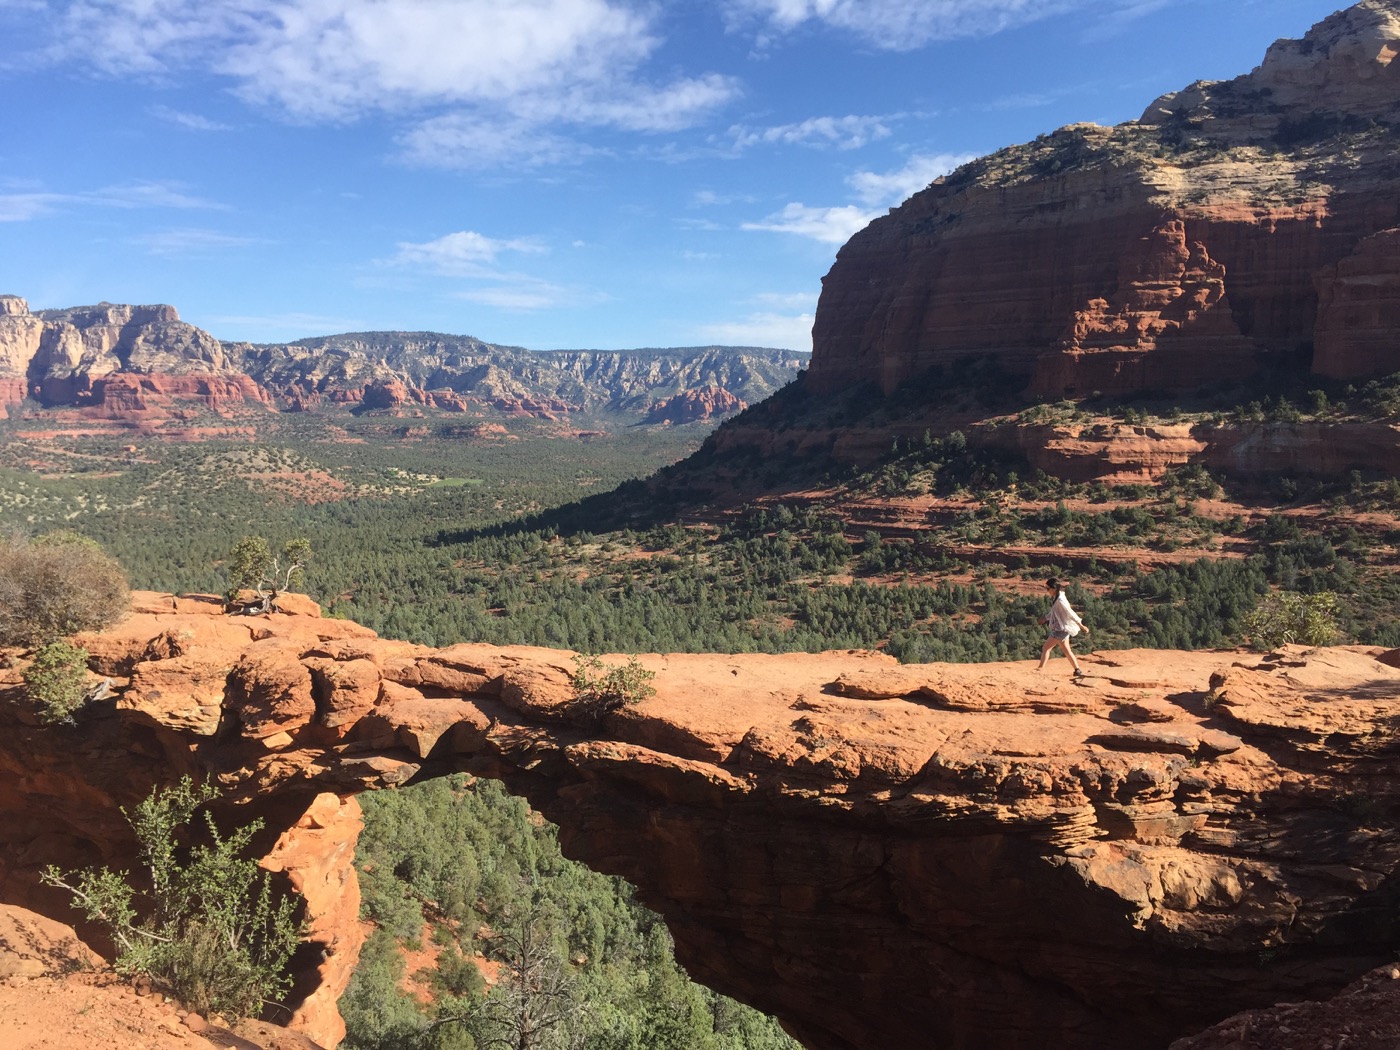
141 366
1234 226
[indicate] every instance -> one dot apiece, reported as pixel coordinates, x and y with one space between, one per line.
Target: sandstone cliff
140 363
1233 227
883 855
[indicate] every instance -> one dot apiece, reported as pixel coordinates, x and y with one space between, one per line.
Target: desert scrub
600 688
206 923
57 585
1286 618
57 680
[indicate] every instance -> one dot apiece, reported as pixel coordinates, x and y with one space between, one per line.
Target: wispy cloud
463 141
898 25
711 199
785 331
192 121
465 253
521 295
473 257
21 207
148 195
849 132
33 204
1115 23
192 241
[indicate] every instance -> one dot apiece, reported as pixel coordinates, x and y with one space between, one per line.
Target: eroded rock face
693 405
882 855
1235 222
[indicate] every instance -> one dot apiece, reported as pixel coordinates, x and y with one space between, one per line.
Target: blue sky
544 173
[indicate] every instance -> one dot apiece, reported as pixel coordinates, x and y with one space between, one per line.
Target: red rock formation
997 858
12 393
692 405
1168 325
1120 453
1165 253
1359 310
531 407
318 854
388 393
1364 1016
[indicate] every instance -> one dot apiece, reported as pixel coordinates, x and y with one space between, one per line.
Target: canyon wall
957 856
1235 227
142 364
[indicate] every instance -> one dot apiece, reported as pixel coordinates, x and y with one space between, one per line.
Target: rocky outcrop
1364 1016
1121 453
1359 310
1235 225
883 855
126 360
692 405
133 364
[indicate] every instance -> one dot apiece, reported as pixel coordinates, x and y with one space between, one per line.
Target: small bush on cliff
253 567
55 585
206 924
1286 618
57 680
600 688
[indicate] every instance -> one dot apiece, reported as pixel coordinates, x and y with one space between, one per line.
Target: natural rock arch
881 855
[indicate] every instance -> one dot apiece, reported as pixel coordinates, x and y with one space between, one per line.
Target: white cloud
474 256
901 25
465 253
849 132
828 225
496 74
874 190
881 189
192 241
784 331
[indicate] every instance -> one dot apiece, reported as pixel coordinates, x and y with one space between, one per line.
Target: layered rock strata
1234 226
142 363
882 855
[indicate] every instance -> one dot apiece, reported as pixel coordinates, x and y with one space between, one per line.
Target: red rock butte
881 855
1235 225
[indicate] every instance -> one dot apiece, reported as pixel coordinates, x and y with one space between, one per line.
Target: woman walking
1064 624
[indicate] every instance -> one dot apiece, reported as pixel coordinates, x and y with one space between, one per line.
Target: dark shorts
1059 636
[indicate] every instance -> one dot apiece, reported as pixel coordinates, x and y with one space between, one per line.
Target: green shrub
207 926
57 680
253 567
600 688
1285 618
57 585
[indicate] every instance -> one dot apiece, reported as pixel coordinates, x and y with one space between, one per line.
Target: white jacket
1062 617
